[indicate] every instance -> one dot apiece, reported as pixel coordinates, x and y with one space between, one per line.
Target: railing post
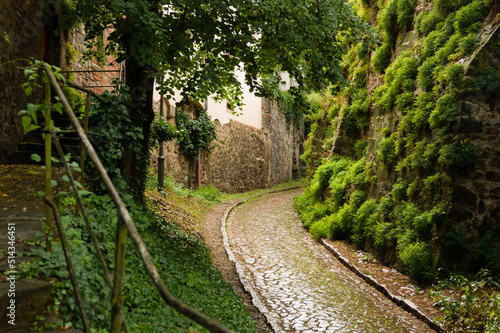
82 152
69 263
85 129
117 297
161 158
48 167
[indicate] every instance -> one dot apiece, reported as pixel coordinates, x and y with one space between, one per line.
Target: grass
187 208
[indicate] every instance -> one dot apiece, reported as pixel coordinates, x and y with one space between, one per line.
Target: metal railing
126 226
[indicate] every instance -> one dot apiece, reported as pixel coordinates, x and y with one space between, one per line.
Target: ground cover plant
183 261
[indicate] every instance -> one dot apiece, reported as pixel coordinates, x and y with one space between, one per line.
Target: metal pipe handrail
90 230
123 214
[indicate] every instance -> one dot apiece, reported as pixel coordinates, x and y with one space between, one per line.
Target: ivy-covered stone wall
245 158
405 159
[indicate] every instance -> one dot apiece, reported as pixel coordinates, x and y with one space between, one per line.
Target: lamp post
161 158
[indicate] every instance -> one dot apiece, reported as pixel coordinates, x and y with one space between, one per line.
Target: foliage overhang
197 45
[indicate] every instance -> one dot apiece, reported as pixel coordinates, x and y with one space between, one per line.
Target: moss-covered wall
422 100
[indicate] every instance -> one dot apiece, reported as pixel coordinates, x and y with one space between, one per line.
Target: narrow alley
304 288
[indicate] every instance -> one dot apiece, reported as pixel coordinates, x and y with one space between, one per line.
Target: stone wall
22 24
470 189
245 159
90 74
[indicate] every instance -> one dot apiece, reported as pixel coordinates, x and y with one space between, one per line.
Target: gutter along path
297 284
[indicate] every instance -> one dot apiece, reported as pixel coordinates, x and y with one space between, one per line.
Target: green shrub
488 81
361 220
357 115
398 192
426 22
385 152
405 10
405 101
444 112
321 179
416 159
359 175
322 228
467 45
362 48
404 68
381 58
437 38
468 18
446 6
487 252
450 77
387 18
478 308
413 188
342 222
405 214
443 54
360 148
416 259
360 74
463 154
399 78
384 234
338 191
75 99
425 104
313 213
210 193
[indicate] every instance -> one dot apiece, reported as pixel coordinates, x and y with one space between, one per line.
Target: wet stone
304 287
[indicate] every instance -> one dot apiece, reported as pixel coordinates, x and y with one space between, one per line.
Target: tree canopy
196 45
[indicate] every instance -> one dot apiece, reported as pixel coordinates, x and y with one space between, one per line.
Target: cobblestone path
301 284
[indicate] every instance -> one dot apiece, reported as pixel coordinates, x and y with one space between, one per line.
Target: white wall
250 114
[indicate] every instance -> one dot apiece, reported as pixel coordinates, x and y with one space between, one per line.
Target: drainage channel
295 282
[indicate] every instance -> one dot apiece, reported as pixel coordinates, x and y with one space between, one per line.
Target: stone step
23 302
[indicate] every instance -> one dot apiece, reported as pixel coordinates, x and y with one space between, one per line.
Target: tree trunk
141 84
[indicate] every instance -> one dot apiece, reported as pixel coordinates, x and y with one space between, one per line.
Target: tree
196 45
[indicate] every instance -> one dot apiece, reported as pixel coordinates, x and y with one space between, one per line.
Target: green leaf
31 127
31 172
36 157
28 90
58 107
84 193
41 194
65 178
53 183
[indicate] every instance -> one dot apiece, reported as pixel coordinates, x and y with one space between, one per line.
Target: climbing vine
194 135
